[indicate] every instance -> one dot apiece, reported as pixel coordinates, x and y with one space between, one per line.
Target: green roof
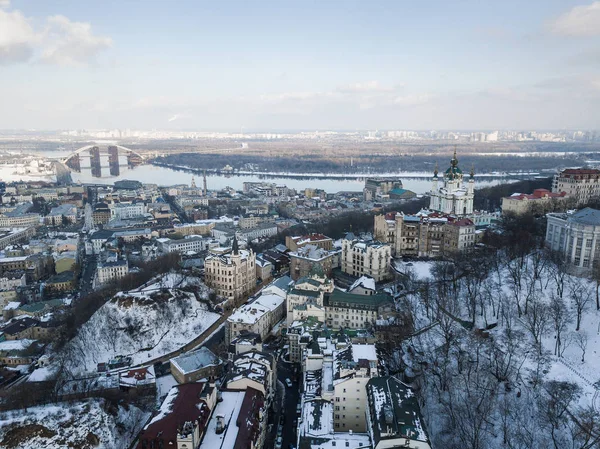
310 293
39 306
340 298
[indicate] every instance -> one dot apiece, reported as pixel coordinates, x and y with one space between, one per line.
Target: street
292 398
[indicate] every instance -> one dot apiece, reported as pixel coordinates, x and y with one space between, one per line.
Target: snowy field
90 423
144 324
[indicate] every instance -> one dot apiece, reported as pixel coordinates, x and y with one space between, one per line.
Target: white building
55 217
112 269
231 274
363 258
454 196
191 243
576 236
123 211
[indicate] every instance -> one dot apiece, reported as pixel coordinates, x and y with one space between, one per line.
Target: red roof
248 419
538 194
187 406
463 222
580 171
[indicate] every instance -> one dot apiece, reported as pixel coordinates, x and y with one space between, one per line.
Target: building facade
363 258
454 196
581 183
231 275
577 237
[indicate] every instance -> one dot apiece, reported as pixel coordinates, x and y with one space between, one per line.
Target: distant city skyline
310 65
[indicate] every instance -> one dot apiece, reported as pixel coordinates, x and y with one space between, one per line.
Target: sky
262 65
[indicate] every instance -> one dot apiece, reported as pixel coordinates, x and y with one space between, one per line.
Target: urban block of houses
191 417
425 234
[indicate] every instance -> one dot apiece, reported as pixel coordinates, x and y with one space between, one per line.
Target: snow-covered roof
229 408
364 281
364 352
15 345
193 361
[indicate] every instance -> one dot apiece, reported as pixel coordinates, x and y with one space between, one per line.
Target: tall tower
193 185
204 190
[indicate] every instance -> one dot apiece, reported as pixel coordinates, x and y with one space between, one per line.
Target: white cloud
17 37
59 41
71 43
579 21
4 3
369 86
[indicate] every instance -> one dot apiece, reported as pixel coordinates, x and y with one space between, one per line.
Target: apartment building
583 184
233 274
366 258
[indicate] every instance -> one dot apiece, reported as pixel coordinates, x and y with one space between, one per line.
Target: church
455 196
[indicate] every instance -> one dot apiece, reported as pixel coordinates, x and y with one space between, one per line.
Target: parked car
278 443
288 382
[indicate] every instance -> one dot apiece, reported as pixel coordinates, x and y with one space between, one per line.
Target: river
418 182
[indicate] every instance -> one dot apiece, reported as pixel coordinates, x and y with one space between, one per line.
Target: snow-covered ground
421 269
89 423
509 346
144 324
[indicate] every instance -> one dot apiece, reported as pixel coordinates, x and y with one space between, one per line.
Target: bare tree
560 318
581 340
536 322
581 297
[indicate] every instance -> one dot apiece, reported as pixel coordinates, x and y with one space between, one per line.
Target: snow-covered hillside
145 323
90 423
511 339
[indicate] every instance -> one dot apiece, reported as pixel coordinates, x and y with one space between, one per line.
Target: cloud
4 3
71 43
16 37
58 41
369 86
579 21
173 118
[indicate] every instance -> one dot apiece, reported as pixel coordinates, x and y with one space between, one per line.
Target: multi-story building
101 214
357 311
454 196
582 184
577 237
459 235
124 211
58 215
393 415
306 298
257 317
309 258
111 270
426 234
385 188
192 243
233 274
20 221
366 258
10 236
293 243
541 200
